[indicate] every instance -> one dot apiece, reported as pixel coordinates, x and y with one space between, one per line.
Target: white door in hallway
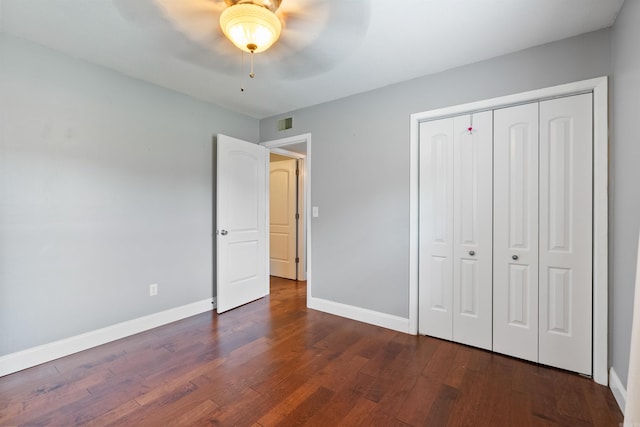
241 222
282 218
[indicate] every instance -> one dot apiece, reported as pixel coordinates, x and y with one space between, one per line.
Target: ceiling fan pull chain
251 74
242 71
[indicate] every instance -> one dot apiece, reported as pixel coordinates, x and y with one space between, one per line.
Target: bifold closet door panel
566 200
472 229
515 232
436 229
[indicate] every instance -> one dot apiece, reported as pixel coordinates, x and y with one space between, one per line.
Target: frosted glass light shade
249 24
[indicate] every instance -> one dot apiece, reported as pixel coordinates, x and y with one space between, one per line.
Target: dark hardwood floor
273 362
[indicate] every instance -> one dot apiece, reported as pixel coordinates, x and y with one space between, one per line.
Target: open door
283 217
242 234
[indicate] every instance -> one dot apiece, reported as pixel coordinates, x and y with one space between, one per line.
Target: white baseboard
377 318
30 357
617 389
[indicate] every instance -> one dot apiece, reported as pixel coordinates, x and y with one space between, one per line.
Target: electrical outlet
153 289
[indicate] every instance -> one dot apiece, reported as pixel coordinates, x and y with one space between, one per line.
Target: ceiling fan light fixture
251 27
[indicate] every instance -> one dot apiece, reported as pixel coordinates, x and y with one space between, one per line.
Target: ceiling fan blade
186 29
305 50
196 19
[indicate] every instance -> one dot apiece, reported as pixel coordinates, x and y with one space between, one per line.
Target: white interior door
282 218
566 200
436 229
472 229
241 215
515 239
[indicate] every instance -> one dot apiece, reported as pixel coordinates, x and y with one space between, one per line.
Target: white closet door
436 228
472 213
566 233
515 256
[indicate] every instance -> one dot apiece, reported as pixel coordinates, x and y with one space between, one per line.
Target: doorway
297 148
286 196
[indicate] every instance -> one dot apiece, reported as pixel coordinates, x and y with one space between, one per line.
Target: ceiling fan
303 38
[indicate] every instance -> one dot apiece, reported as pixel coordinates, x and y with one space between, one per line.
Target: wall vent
284 124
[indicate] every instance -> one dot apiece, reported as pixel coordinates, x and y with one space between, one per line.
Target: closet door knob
224 232
515 257
472 253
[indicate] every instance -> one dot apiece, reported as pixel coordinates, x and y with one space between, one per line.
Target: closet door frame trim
599 87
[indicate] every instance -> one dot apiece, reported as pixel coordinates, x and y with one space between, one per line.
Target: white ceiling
329 49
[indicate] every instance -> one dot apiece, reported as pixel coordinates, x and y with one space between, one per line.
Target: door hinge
297 172
297 215
297 260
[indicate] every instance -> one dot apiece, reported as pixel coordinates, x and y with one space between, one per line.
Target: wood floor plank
281 411
441 408
239 411
307 408
169 406
192 416
519 403
571 400
276 362
459 367
603 409
543 403
359 414
112 416
496 394
60 394
418 403
415 408
340 404
468 405
102 398
397 391
247 411
28 379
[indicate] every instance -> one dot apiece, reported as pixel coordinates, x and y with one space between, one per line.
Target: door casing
278 145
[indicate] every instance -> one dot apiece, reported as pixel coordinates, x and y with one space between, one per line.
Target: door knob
514 257
224 232
472 253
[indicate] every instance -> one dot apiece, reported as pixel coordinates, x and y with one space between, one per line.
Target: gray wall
360 163
625 177
105 188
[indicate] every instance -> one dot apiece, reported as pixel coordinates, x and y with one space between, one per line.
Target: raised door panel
436 228
472 229
515 256
566 233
